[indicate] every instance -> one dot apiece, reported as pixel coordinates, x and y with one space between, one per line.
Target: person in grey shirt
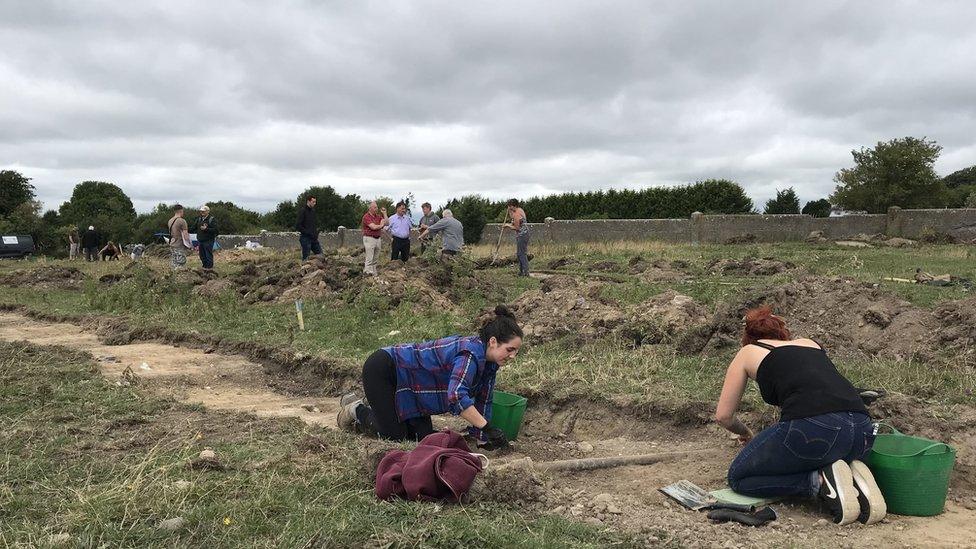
453 233
427 220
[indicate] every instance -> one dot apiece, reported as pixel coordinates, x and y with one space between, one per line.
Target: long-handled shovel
501 232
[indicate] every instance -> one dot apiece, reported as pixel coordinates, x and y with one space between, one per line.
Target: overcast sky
253 102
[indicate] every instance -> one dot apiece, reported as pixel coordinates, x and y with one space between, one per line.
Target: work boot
873 506
837 492
346 418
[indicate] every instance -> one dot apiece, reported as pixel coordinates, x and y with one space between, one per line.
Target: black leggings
380 416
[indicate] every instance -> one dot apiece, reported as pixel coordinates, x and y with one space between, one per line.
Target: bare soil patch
46 277
562 306
624 498
215 380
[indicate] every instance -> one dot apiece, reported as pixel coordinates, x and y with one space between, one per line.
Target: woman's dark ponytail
501 326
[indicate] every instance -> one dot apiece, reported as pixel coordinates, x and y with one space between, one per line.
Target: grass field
105 464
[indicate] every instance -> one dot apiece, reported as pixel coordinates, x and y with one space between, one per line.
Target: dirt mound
659 270
48 277
275 279
487 263
749 266
958 327
563 305
401 282
563 262
664 319
846 316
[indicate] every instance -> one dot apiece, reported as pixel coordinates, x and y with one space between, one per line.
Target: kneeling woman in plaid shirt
406 384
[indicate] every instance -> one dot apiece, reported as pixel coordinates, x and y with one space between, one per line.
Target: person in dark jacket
408 383
89 242
307 227
823 432
206 229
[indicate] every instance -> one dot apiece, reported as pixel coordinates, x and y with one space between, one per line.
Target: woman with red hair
823 432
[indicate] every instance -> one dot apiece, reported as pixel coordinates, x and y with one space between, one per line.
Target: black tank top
803 382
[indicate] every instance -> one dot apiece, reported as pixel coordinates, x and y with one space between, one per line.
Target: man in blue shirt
400 225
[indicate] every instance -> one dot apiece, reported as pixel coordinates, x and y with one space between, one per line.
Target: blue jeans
522 252
782 460
310 245
206 254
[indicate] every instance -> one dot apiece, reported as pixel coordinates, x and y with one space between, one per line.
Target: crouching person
408 383
823 432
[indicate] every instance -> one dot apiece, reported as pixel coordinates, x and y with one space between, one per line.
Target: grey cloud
252 102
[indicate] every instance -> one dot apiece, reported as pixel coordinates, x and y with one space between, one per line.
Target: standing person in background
89 241
453 233
400 226
73 241
307 227
179 238
521 227
428 219
373 224
206 229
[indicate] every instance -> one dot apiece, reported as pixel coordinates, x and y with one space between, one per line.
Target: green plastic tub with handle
507 410
912 472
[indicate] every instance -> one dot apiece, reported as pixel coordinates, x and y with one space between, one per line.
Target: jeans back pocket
811 440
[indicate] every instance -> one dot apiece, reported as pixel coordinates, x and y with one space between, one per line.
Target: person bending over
823 432
408 383
110 252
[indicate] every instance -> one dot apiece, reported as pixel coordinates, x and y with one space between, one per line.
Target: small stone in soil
585 447
172 524
593 521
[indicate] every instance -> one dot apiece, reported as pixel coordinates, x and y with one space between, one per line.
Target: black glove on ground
496 438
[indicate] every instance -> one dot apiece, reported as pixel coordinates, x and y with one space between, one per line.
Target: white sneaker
837 492
873 506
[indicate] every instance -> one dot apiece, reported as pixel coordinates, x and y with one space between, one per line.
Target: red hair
761 323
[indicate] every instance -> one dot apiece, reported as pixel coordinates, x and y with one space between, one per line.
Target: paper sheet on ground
726 495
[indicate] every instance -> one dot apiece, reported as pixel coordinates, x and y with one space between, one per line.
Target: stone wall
717 229
343 238
709 229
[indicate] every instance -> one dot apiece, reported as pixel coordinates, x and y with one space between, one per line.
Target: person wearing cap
89 241
206 229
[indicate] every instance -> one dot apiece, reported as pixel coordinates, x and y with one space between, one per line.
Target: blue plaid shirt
444 375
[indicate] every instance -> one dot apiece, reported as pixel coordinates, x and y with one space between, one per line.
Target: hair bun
501 310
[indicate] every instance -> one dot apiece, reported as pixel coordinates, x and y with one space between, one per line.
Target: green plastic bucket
912 472
507 410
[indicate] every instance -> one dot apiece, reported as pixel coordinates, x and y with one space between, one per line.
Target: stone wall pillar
893 223
697 227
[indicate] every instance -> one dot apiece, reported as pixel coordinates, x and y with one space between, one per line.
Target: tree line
900 172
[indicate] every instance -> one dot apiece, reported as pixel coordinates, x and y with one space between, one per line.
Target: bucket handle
881 424
923 451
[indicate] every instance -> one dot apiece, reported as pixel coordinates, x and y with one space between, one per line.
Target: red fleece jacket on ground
441 467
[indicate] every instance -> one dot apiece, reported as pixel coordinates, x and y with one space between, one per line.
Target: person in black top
823 432
89 243
307 227
206 229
